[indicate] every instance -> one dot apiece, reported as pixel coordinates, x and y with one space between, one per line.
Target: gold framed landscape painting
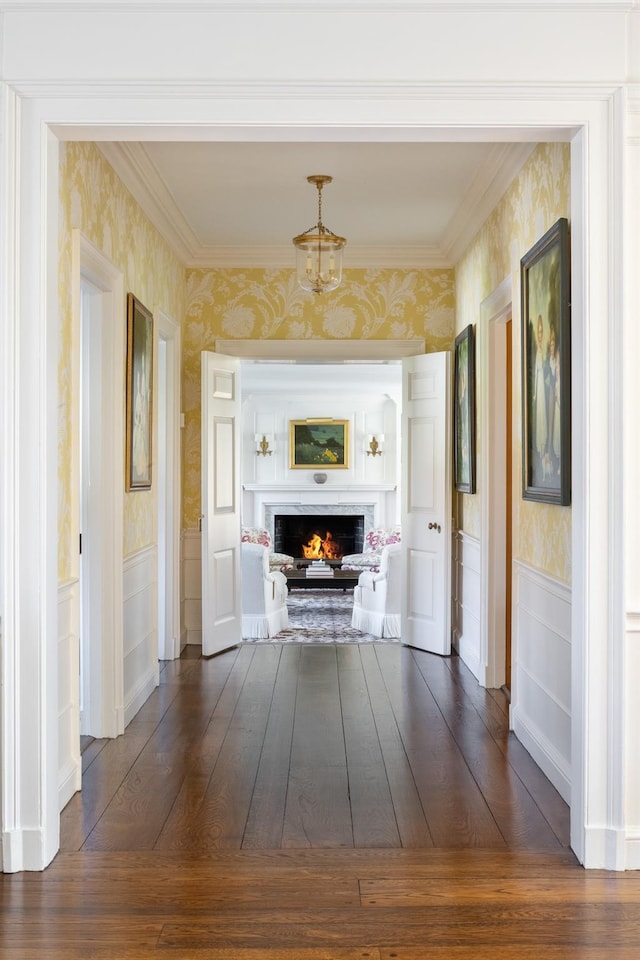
138 395
319 443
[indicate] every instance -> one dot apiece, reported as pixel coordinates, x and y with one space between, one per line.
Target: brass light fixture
262 444
374 445
319 251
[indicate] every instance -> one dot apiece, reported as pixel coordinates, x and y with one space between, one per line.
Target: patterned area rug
321 616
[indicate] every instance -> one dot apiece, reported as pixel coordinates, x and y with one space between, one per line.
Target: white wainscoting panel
69 761
465 614
140 631
191 613
541 672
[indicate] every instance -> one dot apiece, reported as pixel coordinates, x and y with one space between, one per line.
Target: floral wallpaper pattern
539 195
237 304
94 200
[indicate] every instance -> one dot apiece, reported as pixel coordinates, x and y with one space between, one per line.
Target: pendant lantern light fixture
319 251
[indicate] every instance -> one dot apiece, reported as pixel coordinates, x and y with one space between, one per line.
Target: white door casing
102 586
221 589
426 502
169 498
495 311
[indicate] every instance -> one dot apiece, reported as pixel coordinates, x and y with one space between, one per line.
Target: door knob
434 526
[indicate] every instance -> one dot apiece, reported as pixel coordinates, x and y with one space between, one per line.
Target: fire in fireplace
318 537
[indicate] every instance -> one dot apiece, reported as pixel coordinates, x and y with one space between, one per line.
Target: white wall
541 672
540 713
69 761
140 634
466 605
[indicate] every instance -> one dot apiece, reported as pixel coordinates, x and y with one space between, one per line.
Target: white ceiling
239 204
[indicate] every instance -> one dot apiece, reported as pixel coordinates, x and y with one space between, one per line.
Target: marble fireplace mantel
357 489
306 497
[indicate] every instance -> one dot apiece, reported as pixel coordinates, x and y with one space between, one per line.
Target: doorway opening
98 392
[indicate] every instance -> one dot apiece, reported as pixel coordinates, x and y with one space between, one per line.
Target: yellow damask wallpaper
269 305
533 203
93 199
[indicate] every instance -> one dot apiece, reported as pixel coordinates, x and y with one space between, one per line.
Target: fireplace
318 536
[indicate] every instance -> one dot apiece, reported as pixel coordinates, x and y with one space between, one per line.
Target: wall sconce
262 444
374 445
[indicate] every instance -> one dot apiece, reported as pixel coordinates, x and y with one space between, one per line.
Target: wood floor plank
225 806
493 706
455 809
183 828
266 815
100 784
409 926
372 811
412 825
519 819
317 811
499 951
258 865
558 893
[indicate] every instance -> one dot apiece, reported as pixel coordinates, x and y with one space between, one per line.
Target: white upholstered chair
376 598
277 561
264 594
374 543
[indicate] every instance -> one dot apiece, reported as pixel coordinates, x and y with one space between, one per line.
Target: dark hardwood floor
315 802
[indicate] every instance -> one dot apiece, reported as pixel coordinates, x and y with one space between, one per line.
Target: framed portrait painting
546 369
464 419
319 443
139 391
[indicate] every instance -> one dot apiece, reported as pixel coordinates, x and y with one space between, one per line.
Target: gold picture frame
139 394
319 442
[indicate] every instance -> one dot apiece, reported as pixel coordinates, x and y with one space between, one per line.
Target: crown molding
329 6
176 90
133 166
355 257
489 186
340 351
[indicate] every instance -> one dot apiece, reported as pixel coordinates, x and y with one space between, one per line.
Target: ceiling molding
355 257
329 6
488 187
343 351
132 164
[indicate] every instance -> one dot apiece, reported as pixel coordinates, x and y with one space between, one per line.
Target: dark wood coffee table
341 580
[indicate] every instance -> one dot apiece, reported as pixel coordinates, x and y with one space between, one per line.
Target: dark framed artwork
464 419
546 368
139 391
319 443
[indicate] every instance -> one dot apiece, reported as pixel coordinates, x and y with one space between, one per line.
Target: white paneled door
426 502
221 594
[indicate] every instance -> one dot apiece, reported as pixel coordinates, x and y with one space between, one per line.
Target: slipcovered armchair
374 543
376 598
277 561
264 594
